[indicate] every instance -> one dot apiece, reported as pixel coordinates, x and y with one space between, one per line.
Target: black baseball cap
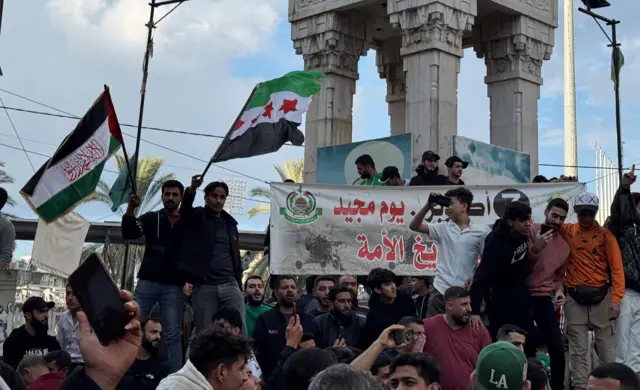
455 159
36 303
430 155
389 173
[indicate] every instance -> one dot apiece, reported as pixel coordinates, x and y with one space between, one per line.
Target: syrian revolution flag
270 117
71 175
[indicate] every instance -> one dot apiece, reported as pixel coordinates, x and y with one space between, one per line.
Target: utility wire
117 173
17 135
71 116
142 139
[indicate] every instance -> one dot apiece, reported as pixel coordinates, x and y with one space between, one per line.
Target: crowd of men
486 325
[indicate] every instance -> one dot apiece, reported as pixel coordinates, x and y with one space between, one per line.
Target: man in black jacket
503 272
387 305
269 333
157 279
340 324
210 253
427 172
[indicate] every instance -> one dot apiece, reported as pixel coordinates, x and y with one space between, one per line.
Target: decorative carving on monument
330 42
542 5
307 3
432 26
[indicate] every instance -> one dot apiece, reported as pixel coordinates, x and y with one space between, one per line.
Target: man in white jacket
217 360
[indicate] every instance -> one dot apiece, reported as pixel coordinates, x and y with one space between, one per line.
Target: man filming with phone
548 256
459 240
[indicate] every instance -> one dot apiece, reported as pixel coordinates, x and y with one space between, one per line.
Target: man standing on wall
158 281
459 240
367 171
427 173
455 166
7 233
210 255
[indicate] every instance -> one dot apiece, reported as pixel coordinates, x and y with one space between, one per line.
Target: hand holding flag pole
225 141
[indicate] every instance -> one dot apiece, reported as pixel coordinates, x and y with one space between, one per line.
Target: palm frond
263 208
260 192
8 215
121 163
292 169
5 178
148 169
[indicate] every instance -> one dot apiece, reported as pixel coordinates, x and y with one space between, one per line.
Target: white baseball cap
586 201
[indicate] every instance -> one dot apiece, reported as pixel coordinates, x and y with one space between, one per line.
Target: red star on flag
289 106
238 125
267 110
254 120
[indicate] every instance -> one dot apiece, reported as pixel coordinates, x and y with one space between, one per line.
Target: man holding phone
158 281
459 240
548 257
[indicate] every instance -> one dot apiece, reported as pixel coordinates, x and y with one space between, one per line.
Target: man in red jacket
548 256
35 373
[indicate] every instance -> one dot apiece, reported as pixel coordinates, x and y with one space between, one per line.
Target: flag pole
126 155
225 141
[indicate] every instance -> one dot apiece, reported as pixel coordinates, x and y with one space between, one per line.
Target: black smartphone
99 298
545 228
441 200
402 336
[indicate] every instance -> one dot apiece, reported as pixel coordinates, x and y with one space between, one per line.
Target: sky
208 55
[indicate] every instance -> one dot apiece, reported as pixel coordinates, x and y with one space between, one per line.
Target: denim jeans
207 299
170 298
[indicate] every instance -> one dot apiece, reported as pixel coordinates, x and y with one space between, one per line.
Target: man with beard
420 286
417 342
149 368
453 341
503 272
254 297
387 305
427 173
68 332
269 333
548 256
351 282
31 338
210 252
367 171
321 287
455 166
340 325
157 279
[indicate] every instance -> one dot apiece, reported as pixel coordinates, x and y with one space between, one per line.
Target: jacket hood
188 378
420 170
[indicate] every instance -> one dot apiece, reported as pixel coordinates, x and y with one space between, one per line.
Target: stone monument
419 44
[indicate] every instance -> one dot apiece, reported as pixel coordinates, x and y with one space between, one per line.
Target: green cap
501 366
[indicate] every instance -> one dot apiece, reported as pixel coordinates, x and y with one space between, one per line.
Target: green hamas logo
301 208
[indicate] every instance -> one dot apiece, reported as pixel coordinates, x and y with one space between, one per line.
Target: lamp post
615 57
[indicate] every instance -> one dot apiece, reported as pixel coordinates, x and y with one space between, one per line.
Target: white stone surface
570 131
390 67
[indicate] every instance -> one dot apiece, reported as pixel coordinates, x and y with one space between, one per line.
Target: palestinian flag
71 175
270 117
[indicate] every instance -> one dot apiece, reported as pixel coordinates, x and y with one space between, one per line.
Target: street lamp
617 60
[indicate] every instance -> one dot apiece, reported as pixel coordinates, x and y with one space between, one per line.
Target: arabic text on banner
329 230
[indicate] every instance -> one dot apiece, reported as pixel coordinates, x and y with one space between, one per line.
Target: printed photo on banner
325 229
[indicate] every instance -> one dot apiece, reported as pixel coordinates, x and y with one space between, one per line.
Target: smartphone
403 336
441 200
294 314
99 298
545 228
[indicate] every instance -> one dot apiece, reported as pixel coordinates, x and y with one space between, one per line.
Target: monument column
431 50
390 67
514 50
330 43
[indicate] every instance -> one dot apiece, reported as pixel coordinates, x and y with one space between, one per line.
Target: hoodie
382 316
625 226
427 178
503 270
188 378
51 381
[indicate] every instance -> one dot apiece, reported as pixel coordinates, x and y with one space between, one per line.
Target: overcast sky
208 54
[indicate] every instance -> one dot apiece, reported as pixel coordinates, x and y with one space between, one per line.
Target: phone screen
545 228
99 298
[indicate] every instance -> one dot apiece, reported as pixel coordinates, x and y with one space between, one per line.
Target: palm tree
292 169
149 187
5 178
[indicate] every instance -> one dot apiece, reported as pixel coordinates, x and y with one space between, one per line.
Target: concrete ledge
26 230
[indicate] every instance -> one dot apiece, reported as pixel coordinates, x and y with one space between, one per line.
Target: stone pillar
390 67
331 43
431 50
514 49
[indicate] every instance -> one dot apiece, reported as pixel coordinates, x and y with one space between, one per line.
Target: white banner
325 229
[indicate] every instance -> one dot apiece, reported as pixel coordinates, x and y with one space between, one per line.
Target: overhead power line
72 116
117 173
